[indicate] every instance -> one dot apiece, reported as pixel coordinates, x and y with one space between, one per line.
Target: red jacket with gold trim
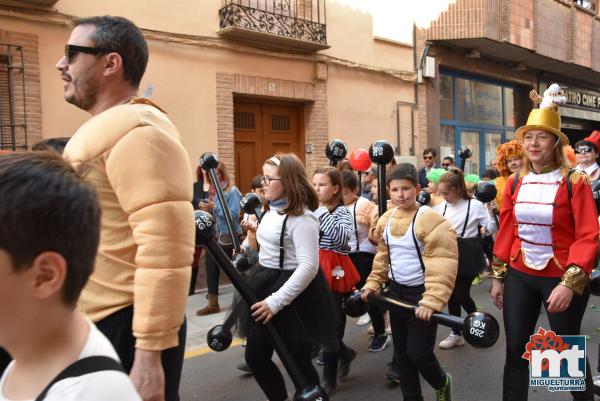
574 230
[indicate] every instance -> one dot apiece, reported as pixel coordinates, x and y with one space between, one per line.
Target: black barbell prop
336 151
381 153
464 154
251 204
209 162
485 192
479 329
205 232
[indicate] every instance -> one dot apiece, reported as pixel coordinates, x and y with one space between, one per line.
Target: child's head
48 237
452 186
403 185
470 181
56 144
257 187
349 186
284 176
433 176
327 182
489 175
375 189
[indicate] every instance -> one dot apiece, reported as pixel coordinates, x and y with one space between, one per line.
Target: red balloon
359 159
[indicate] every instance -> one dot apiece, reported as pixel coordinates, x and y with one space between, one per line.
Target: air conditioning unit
429 67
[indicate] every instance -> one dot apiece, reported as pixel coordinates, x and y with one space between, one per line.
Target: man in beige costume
134 157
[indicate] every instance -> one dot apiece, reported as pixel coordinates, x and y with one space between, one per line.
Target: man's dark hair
45 206
122 36
449 158
256 182
55 144
404 171
349 179
490 173
430 150
584 143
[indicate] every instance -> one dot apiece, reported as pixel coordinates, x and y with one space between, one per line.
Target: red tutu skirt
339 271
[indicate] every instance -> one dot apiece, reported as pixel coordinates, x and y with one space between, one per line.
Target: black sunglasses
72 50
583 149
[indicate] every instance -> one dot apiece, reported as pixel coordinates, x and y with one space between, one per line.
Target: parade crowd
98 234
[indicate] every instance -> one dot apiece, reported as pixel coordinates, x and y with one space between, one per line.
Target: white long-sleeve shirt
301 245
478 216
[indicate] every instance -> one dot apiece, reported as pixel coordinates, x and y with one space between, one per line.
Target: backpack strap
84 366
514 183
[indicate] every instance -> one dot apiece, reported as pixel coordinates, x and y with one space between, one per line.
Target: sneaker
476 281
363 320
346 358
445 393
392 374
596 379
378 342
453 340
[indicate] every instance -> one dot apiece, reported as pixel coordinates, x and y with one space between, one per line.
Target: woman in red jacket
545 248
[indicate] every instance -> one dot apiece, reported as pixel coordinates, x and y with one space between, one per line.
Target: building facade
480 59
242 78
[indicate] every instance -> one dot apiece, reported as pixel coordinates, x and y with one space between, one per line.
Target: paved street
477 373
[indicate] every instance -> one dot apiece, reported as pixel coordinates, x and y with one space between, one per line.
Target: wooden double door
262 130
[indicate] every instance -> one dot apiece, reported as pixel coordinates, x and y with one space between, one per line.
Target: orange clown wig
505 152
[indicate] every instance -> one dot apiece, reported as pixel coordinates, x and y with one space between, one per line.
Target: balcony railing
298 25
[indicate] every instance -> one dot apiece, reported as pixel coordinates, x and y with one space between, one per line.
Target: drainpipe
418 71
413 107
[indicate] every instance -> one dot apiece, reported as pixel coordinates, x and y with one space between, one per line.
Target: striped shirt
336 228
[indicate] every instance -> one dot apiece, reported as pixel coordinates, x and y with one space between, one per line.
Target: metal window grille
13 113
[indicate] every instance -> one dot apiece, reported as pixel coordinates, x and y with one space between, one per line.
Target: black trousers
259 354
4 360
213 271
414 342
363 261
118 328
524 295
461 296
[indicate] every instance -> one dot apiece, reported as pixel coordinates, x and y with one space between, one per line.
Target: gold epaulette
577 175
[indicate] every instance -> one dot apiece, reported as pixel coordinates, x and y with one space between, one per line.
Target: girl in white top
465 214
288 238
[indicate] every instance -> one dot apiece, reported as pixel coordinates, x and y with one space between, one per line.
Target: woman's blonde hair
297 189
336 180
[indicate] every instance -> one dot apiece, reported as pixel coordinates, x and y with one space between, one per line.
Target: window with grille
13 117
280 123
243 120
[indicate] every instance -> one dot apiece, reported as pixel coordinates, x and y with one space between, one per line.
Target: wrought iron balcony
298 25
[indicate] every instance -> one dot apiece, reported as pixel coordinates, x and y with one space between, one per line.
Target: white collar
589 171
